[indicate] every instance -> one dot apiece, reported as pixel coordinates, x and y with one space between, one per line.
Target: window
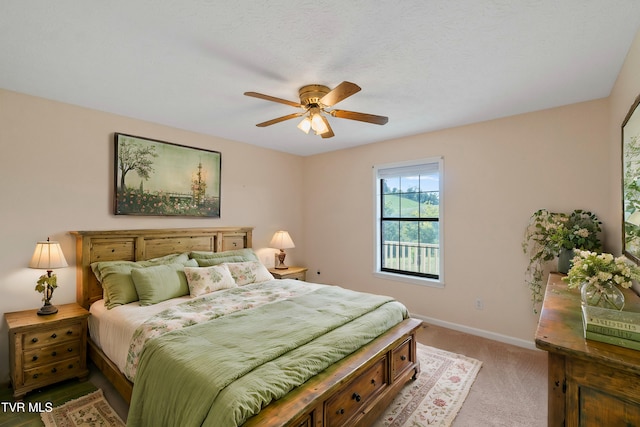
409 220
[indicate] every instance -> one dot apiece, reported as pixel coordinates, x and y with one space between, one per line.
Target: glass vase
604 295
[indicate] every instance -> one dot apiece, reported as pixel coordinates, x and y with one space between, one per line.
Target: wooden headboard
139 245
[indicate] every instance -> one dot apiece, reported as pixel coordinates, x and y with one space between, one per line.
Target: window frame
396 275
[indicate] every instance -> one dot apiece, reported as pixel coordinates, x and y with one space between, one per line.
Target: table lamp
281 240
47 256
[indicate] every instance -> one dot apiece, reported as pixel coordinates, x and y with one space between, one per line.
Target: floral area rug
435 398
91 410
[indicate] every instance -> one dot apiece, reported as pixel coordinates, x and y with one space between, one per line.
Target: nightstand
44 350
296 273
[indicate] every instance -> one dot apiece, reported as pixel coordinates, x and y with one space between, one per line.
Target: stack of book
621 328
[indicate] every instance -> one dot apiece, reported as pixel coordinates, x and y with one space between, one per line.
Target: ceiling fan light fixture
313 101
305 125
318 123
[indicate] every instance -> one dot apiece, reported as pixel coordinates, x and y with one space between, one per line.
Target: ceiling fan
316 101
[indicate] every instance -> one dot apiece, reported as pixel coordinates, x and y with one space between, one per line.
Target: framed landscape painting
164 179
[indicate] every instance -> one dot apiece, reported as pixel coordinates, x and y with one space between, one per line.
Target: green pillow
115 277
180 258
117 284
104 268
208 259
160 283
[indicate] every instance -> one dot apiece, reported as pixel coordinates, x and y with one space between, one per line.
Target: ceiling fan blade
362 117
280 119
329 132
340 92
273 99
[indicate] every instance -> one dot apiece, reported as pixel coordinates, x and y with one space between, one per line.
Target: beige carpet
437 395
90 410
511 388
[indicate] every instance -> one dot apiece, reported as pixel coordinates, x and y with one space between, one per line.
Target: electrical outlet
479 304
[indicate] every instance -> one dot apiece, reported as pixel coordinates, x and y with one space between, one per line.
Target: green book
627 321
620 333
621 342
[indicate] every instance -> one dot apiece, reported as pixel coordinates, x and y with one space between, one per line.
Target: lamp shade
47 256
281 240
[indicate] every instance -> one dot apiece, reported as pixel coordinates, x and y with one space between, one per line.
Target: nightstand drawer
51 336
51 354
54 371
296 276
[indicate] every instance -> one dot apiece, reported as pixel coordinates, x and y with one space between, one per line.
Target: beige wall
496 174
56 168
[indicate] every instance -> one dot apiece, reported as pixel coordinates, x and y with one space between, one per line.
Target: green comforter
222 372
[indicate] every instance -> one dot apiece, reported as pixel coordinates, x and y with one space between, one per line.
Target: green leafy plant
548 234
46 284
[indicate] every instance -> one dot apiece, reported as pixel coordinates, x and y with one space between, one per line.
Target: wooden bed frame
354 391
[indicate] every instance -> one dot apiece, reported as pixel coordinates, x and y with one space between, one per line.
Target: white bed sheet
113 329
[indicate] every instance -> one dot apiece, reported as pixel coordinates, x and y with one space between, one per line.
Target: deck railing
408 256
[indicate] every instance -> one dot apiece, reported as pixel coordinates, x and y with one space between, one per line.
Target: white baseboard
478 332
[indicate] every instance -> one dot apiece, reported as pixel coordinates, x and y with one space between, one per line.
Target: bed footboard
354 391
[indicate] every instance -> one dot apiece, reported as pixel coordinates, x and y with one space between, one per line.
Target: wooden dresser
590 383
44 350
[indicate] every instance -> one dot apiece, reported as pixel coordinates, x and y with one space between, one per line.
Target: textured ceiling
425 64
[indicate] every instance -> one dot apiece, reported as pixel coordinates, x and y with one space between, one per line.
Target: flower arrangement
594 268
550 233
597 271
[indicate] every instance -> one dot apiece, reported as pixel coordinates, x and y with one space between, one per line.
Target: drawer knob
403 357
373 381
69 332
70 366
54 370
34 340
356 397
34 358
35 376
340 411
54 353
70 349
54 335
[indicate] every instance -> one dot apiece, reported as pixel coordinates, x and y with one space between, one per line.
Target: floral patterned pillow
249 272
203 280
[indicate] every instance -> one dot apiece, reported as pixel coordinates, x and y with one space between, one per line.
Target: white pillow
203 280
249 272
